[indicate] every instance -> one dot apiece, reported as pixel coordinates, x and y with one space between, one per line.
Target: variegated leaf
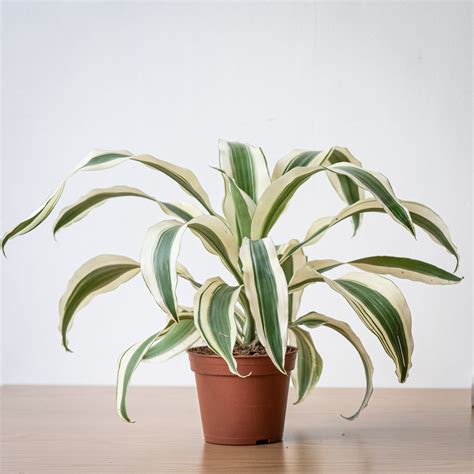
344 186
217 238
309 363
314 320
214 307
103 159
184 273
158 263
406 268
267 292
36 218
381 189
383 309
421 215
181 210
77 211
173 339
238 208
246 165
98 275
185 178
290 268
279 193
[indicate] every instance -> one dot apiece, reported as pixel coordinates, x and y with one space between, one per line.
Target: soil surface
256 350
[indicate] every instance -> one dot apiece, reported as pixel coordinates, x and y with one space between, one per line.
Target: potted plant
252 334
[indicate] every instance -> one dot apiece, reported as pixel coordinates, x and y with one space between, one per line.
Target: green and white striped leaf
103 159
98 275
238 209
240 320
314 320
185 178
400 267
348 191
279 193
184 273
173 339
35 219
276 198
345 187
406 268
421 215
309 363
158 263
267 292
217 238
290 267
381 189
383 309
246 165
95 198
181 210
181 337
214 307
80 209
305 276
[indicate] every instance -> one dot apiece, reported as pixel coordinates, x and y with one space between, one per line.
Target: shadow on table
298 454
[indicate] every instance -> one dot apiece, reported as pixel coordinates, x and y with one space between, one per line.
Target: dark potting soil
256 350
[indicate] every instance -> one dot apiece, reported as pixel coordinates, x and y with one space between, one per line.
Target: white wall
391 81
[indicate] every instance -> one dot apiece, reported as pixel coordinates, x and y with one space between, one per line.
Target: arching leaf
98 275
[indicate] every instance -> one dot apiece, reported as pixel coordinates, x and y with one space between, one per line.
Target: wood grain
76 430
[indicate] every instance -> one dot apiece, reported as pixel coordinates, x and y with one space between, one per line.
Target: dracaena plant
261 303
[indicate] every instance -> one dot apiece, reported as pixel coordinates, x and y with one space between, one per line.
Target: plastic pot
242 411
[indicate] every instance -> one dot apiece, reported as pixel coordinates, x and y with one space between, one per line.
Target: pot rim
292 349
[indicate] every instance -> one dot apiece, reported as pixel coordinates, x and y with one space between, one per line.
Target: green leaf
103 159
184 273
309 363
314 320
267 292
95 198
77 211
35 219
246 165
276 197
217 238
238 209
400 267
173 339
290 267
383 309
380 188
348 191
158 263
406 268
185 178
421 215
98 275
214 306
181 210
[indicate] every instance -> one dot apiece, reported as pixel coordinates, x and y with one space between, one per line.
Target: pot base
242 441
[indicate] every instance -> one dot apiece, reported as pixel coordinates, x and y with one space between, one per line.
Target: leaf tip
3 243
349 418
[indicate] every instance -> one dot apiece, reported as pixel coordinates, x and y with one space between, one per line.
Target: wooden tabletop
75 430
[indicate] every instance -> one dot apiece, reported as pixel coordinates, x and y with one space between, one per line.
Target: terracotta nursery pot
242 411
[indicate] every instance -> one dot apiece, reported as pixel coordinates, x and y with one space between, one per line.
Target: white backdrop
390 81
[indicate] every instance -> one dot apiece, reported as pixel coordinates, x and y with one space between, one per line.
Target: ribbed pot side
242 411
